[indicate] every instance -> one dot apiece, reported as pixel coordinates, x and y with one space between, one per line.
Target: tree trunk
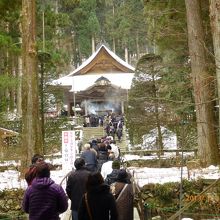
7 92
215 25
114 46
202 85
31 129
126 54
93 44
42 101
157 119
137 46
113 14
19 92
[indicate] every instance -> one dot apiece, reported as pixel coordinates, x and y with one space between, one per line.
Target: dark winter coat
44 200
90 158
112 177
102 204
102 155
125 201
76 186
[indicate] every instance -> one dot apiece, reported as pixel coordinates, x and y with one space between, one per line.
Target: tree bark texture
215 25
202 86
19 90
157 118
31 130
137 46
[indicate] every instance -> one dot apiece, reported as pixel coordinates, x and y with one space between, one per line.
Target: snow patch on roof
112 54
82 82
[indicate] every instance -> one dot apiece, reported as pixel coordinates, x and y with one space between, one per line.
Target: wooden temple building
99 86
6 136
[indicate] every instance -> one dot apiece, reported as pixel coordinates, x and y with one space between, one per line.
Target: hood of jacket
103 188
41 183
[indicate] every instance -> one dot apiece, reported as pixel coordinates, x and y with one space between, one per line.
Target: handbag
87 206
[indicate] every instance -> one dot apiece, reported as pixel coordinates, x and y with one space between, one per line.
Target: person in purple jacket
44 199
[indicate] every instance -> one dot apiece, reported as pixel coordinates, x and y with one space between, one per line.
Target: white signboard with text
68 150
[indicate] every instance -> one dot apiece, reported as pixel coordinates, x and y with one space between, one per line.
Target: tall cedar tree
166 25
202 85
31 129
10 48
144 99
215 20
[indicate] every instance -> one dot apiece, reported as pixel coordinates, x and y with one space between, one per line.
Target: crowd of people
98 187
112 123
99 151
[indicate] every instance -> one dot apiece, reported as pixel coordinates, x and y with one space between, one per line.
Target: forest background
174 45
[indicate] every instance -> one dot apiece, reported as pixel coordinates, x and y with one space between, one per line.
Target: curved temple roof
80 70
103 63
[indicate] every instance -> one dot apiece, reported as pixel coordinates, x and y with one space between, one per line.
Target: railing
139 202
148 152
67 215
138 199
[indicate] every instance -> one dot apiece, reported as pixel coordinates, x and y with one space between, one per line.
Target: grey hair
87 146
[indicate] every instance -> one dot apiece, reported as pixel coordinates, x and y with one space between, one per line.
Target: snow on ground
169 139
10 178
128 157
145 175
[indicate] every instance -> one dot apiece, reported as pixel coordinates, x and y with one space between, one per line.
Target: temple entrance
99 108
102 108
99 86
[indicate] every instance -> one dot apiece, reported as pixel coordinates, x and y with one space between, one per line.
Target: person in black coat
97 203
112 177
76 185
102 155
90 157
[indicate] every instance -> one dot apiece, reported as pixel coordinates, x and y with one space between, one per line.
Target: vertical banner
68 150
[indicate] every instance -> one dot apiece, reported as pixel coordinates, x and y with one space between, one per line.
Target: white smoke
95 108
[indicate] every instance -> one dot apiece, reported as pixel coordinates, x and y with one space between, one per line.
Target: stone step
67 215
98 132
92 132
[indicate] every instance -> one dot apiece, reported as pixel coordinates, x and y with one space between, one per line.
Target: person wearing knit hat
112 177
123 176
116 164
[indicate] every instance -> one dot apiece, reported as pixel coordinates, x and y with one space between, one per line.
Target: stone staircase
98 132
123 143
92 132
